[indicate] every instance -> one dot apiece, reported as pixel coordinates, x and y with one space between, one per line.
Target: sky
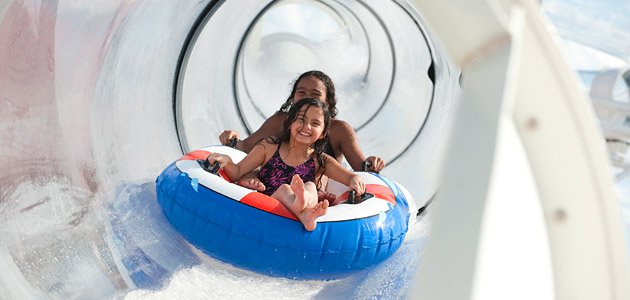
601 24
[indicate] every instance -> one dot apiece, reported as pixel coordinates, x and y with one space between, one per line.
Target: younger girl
296 155
342 139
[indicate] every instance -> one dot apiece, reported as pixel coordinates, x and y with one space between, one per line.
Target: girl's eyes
316 95
315 123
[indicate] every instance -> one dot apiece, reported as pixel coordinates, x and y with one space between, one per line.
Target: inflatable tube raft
256 232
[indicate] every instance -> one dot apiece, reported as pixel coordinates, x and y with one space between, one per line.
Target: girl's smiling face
310 87
309 125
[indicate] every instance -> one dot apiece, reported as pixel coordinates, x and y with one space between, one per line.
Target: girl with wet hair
342 137
294 163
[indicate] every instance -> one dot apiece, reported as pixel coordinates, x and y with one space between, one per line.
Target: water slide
97 97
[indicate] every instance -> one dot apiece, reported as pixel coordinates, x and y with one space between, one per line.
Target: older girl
342 137
294 162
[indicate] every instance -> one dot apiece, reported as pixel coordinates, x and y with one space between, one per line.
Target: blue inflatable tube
253 231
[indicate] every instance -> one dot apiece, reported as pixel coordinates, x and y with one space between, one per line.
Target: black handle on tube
353 200
206 166
215 168
351 196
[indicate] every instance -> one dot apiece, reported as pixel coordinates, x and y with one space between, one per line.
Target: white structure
518 89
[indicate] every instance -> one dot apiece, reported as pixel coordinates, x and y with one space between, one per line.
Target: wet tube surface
97 98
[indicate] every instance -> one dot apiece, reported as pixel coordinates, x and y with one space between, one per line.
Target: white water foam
213 279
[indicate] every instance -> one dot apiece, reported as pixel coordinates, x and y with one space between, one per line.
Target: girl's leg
251 181
310 215
301 200
303 193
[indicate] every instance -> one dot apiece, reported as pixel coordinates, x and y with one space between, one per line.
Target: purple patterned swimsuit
276 173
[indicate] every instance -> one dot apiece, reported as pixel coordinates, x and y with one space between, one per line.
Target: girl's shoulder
340 131
263 143
278 117
267 145
263 150
340 125
272 125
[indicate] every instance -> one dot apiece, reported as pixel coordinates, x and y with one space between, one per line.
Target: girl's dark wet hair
331 96
320 145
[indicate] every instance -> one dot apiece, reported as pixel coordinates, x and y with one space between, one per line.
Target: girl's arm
344 137
234 171
337 172
272 126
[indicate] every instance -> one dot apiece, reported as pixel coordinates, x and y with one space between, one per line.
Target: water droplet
195 183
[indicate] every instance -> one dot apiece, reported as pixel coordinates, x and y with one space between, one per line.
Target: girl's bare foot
252 183
309 216
302 196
